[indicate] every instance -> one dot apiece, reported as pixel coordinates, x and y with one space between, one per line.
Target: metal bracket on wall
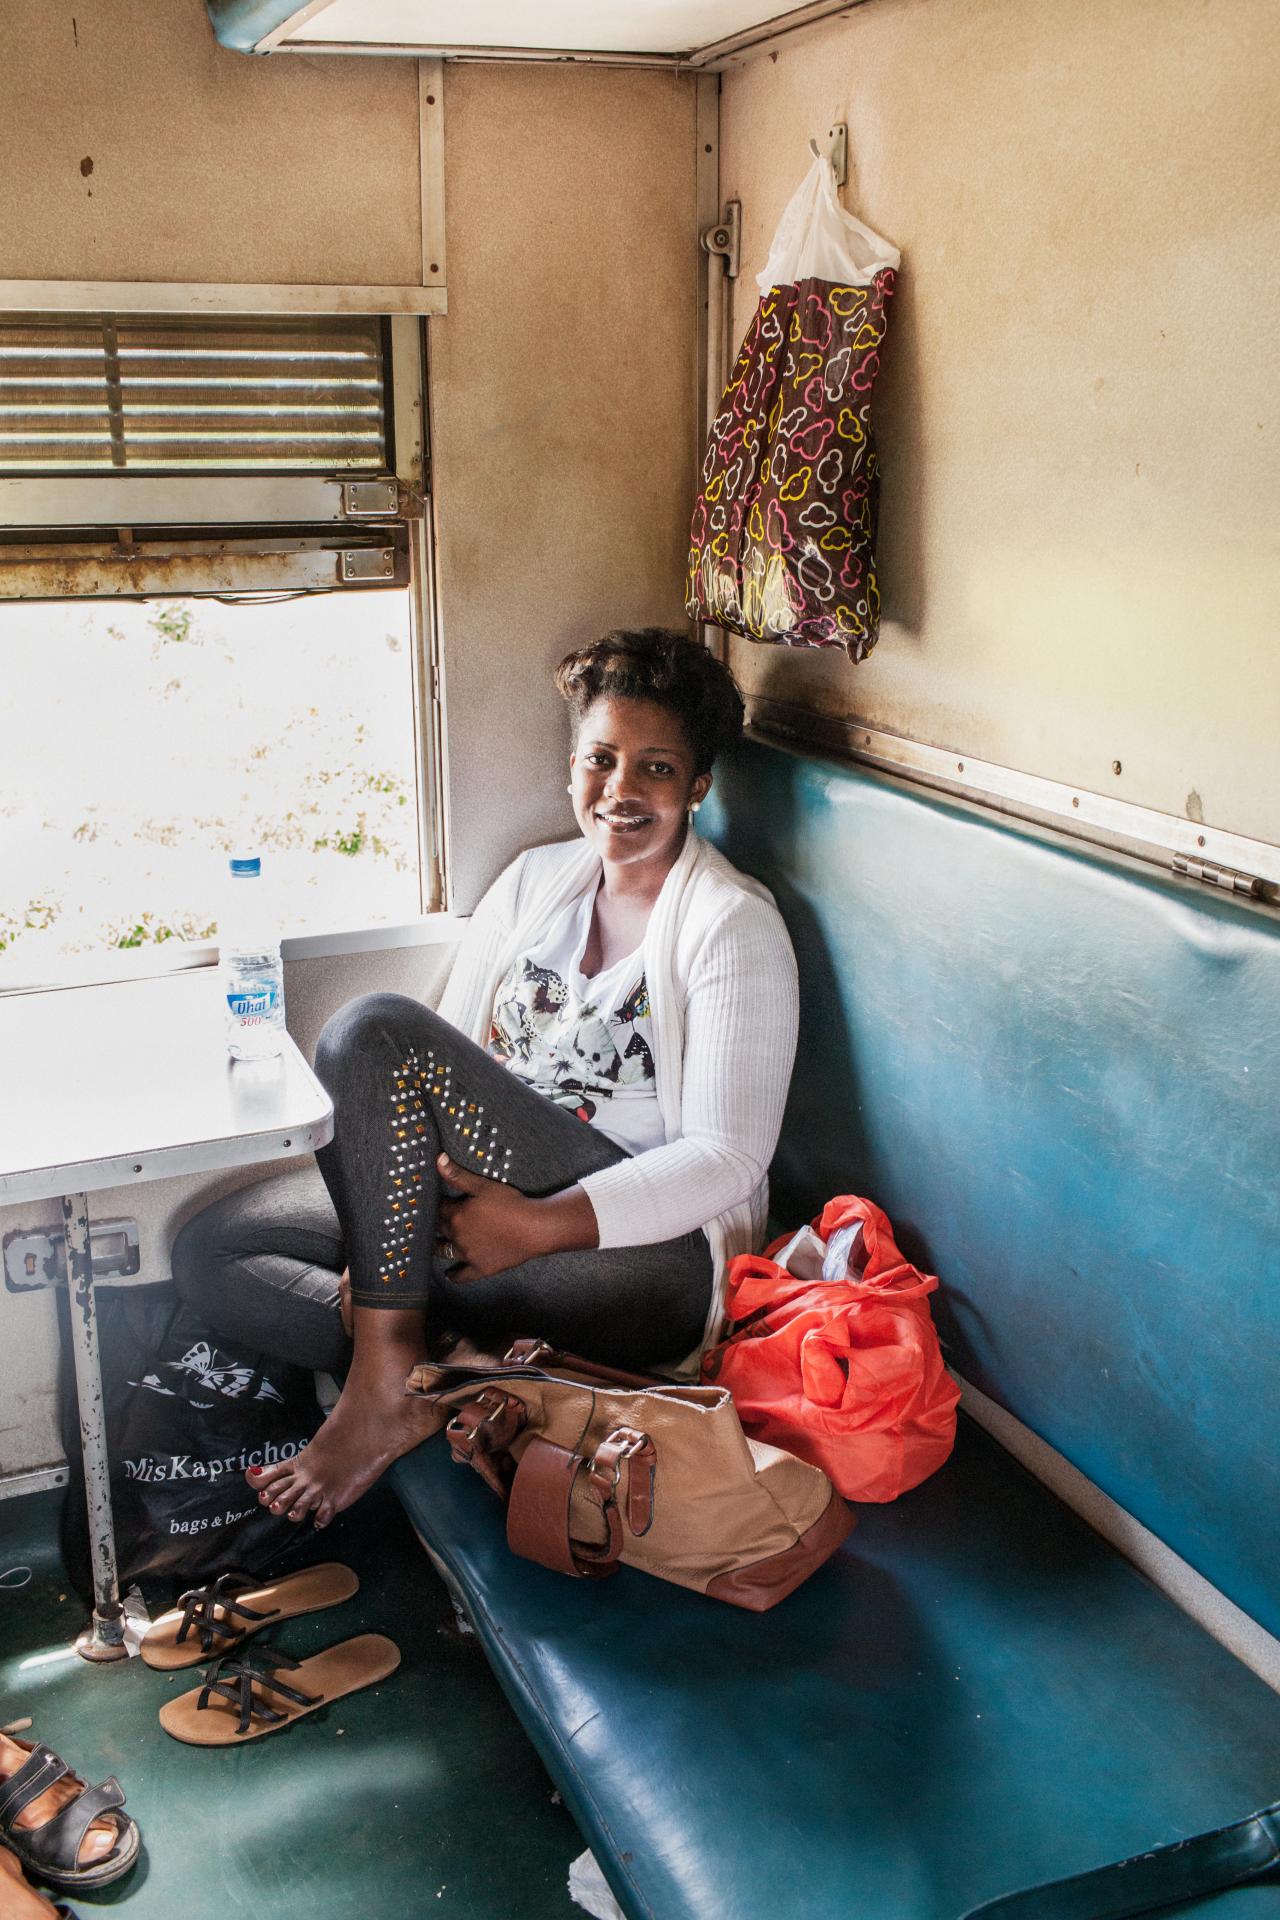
37 1256
724 237
366 564
370 499
36 1480
836 148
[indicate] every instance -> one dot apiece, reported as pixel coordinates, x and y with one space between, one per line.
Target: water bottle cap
250 868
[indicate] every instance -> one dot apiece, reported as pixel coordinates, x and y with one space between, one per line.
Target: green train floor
420 1796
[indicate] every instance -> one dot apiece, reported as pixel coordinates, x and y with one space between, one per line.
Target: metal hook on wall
836 148
725 238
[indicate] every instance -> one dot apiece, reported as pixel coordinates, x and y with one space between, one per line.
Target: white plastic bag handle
817 240
841 1258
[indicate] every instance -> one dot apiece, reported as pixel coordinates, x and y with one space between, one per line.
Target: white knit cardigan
722 988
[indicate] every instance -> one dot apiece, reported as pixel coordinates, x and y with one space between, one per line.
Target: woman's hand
492 1226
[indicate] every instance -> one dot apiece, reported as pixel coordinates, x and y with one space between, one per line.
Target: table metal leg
104 1639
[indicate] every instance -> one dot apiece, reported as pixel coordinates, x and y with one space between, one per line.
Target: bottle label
251 1008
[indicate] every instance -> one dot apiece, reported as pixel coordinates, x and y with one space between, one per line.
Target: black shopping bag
187 1411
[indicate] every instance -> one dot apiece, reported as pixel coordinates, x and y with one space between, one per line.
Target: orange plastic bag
836 1358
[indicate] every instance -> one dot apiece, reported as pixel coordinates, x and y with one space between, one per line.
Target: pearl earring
569 788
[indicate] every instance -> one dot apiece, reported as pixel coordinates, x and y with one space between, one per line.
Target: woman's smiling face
634 782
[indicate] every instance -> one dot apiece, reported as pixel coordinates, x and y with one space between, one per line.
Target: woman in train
577 1142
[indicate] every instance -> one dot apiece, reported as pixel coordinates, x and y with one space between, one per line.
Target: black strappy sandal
214 1619
212 1614
243 1696
244 1679
213 1610
49 1852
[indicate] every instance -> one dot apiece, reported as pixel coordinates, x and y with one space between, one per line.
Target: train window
216 626
183 726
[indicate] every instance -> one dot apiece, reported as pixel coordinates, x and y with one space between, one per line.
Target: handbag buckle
604 1475
480 1435
527 1353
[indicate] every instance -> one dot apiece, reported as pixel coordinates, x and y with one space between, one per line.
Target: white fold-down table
108 1085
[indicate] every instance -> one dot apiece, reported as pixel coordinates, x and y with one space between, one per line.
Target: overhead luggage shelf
693 33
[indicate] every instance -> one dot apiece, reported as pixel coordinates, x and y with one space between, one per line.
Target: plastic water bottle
252 976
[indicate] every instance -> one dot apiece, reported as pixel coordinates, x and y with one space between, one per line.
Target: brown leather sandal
220 1617
243 1698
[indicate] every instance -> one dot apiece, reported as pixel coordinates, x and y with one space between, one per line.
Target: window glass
195 394
141 739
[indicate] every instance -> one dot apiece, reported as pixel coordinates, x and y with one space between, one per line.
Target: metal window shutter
141 395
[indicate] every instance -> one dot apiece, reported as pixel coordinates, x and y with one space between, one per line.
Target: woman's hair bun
668 668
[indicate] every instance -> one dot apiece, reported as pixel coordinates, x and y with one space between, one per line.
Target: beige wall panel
133 147
1080 532
563 414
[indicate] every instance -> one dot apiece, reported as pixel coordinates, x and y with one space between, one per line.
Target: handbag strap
539 1490
538 1514
1185 1870
542 1355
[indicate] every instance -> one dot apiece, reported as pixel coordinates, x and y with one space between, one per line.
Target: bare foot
373 1423
18 1900
101 1836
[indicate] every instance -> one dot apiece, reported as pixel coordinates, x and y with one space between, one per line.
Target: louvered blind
142 395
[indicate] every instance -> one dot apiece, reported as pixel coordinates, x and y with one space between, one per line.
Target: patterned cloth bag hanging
783 536
834 1355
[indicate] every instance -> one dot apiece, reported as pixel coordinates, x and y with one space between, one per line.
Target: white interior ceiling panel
657 27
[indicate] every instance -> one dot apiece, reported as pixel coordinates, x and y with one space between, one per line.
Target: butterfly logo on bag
201 1364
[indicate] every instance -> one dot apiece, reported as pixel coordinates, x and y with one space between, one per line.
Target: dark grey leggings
263 1263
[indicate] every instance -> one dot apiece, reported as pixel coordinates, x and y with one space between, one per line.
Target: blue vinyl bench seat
1056 1070
976 1693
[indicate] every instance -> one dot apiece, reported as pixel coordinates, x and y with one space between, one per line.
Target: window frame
170 534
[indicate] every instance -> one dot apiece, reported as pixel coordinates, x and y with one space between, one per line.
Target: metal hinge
724 237
362 564
1212 875
370 499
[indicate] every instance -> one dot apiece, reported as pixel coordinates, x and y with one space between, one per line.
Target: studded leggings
406 1085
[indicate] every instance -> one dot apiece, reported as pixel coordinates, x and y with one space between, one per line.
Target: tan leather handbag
601 1468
